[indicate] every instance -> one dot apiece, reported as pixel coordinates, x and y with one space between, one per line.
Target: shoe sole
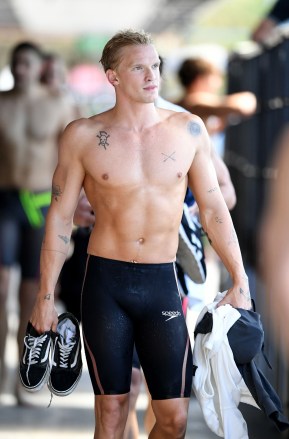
66 392
186 257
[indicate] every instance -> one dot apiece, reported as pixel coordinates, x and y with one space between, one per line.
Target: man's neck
136 117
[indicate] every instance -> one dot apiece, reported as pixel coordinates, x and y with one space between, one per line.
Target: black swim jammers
125 303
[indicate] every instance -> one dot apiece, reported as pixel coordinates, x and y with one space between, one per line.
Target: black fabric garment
280 11
246 337
264 394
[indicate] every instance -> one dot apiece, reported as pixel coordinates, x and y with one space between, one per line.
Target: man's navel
140 241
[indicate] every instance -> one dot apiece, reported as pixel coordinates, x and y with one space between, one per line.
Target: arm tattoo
212 190
56 191
194 128
218 220
170 156
47 296
65 239
103 136
246 295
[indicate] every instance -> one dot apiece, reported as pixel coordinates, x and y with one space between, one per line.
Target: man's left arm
215 216
224 180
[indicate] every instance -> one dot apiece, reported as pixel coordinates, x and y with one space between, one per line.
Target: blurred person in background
277 15
54 75
32 117
274 244
203 83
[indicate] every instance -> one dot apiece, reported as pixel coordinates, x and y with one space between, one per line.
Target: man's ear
112 77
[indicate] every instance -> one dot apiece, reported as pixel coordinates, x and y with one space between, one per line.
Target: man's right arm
66 186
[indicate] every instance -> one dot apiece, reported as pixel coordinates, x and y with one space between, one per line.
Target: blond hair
110 55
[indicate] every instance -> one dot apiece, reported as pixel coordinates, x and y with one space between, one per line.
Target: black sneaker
190 254
66 367
34 365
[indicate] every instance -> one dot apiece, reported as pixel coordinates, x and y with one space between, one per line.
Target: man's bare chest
131 160
27 121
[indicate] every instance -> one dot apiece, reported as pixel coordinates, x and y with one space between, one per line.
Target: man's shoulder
180 117
84 126
78 125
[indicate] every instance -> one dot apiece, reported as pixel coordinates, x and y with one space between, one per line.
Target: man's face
138 74
26 68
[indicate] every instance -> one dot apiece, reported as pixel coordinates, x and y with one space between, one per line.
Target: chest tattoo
194 128
169 156
103 136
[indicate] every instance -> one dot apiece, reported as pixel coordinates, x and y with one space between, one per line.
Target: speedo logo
171 314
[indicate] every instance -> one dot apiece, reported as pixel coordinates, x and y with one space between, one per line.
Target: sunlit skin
135 162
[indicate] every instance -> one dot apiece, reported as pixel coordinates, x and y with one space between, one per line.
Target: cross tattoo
167 157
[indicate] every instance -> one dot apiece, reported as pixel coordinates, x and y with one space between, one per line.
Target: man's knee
176 424
111 411
173 420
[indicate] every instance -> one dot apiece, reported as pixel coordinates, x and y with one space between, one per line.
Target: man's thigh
162 340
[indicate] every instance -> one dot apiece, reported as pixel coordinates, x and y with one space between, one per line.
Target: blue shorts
123 304
20 237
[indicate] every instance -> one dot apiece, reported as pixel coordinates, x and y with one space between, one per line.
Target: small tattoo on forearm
194 128
103 136
47 296
212 190
218 220
170 156
246 295
65 239
56 192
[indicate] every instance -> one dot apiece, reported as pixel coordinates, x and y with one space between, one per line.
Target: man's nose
150 75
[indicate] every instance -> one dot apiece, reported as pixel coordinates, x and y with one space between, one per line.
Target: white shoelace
34 346
64 351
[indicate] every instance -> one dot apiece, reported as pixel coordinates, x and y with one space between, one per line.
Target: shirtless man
31 121
134 162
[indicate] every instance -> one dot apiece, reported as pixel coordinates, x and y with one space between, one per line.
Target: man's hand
44 316
238 296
